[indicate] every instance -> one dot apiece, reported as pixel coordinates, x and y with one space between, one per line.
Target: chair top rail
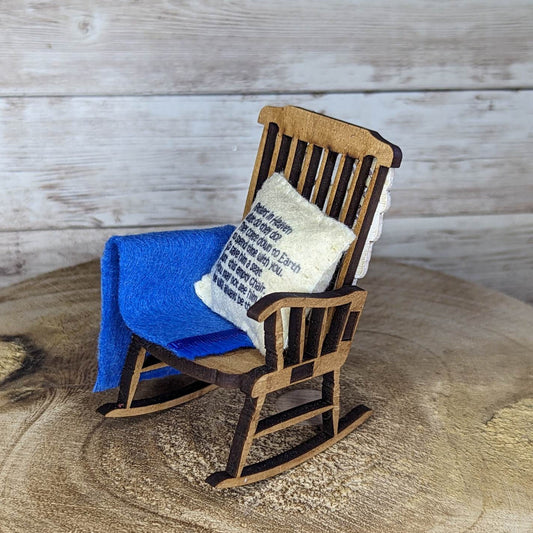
333 134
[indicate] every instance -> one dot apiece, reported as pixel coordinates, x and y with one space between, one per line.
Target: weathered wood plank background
212 46
136 116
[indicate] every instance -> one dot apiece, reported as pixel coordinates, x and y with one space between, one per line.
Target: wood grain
161 47
107 162
495 251
103 164
443 363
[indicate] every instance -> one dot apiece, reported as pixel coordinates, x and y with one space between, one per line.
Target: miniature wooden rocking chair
308 147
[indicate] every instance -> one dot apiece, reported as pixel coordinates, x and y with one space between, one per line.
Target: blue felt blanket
148 289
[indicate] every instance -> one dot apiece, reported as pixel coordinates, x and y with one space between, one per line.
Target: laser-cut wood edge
291 458
342 137
334 313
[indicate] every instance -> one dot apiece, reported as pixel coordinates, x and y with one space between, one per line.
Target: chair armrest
273 302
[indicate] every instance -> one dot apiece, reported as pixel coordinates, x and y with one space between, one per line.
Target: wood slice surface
445 365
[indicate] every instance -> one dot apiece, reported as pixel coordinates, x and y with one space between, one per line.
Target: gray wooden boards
159 47
444 364
76 170
107 162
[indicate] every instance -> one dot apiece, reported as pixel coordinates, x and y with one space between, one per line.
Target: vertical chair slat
308 175
334 184
283 154
353 199
268 142
361 213
338 192
316 333
351 324
290 157
131 373
294 165
331 395
323 182
296 336
364 213
275 154
346 187
336 329
244 435
262 165
304 168
274 341
362 228
318 179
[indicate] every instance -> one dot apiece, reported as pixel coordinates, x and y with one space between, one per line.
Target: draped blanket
148 289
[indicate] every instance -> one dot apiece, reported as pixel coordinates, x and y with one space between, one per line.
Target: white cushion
285 243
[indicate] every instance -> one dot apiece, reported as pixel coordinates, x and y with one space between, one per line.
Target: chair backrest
338 166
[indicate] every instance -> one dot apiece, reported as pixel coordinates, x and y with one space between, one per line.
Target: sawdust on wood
445 366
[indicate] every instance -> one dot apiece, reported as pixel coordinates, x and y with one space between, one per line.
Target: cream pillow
285 243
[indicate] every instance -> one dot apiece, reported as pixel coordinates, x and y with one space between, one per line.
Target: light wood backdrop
128 116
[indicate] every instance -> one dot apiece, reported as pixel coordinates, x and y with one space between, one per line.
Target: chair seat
240 361
230 369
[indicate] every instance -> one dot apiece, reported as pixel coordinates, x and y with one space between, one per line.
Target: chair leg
331 395
292 457
249 426
244 435
129 380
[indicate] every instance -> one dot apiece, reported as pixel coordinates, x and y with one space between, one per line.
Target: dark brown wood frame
307 147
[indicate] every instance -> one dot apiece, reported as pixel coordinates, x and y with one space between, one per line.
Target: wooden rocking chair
342 169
